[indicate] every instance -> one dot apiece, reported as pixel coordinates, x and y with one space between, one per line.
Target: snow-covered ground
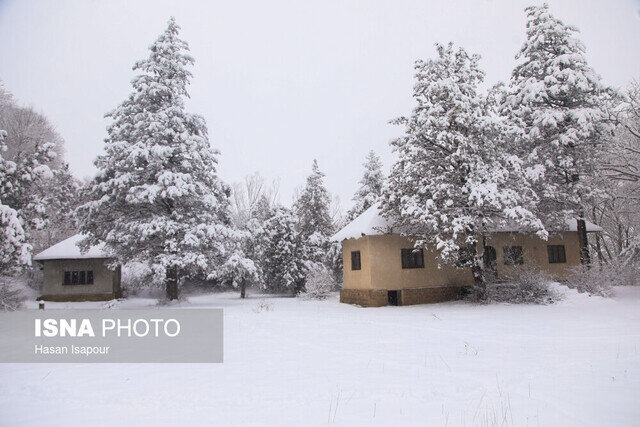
318 363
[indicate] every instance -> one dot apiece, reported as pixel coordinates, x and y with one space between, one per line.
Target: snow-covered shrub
524 286
137 279
11 297
263 305
240 271
624 273
320 283
31 277
599 280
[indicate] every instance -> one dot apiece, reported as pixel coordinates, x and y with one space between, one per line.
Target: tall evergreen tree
555 101
453 182
370 186
21 206
283 253
61 196
14 251
312 207
157 196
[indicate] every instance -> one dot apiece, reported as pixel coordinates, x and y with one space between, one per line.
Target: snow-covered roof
372 223
368 223
68 249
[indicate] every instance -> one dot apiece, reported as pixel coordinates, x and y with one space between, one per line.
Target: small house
72 275
382 267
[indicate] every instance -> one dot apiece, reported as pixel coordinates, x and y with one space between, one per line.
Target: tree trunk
243 289
477 269
585 259
172 283
598 247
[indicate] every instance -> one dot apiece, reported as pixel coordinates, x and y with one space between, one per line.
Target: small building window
556 254
355 260
513 255
78 277
412 258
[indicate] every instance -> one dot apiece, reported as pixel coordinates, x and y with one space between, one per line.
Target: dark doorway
393 297
490 264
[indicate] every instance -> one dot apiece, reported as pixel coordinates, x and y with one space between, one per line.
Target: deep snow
317 363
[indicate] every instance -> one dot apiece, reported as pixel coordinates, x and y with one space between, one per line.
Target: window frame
412 258
508 257
356 256
555 255
77 277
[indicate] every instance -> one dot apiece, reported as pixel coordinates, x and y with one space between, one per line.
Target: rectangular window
412 258
513 255
556 254
78 278
355 260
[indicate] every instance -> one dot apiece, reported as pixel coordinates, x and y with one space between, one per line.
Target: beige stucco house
72 275
381 267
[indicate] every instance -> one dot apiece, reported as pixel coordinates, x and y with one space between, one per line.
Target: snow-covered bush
628 274
137 279
263 305
525 286
240 271
599 280
320 283
11 297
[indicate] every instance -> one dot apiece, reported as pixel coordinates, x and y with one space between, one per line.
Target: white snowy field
318 363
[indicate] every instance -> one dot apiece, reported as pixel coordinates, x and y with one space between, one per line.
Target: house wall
106 283
357 279
387 271
382 270
535 253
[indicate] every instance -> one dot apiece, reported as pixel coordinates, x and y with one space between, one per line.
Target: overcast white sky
279 82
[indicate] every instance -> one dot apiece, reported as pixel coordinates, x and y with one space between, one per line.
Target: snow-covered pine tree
370 186
239 269
453 182
61 196
43 204
14 250
312 206
157 197
312 209
22 208
556 102
283 253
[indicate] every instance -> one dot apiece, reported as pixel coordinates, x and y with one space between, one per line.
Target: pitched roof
68 249
372 223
